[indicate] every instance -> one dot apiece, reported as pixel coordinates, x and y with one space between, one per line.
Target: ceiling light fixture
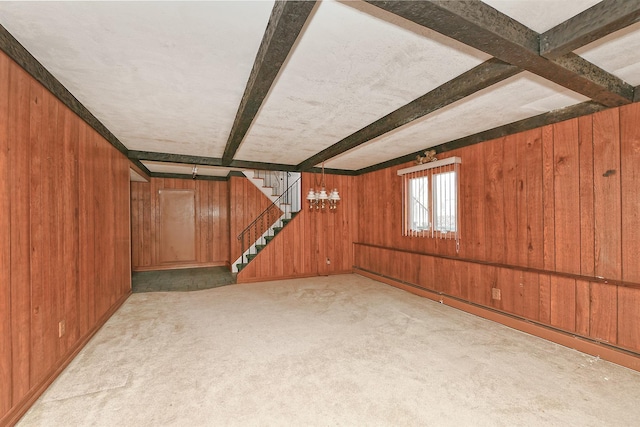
318 199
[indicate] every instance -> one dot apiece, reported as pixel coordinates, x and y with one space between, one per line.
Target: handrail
269 217
275 203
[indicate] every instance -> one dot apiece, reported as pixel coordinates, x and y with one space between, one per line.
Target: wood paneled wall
549 216
64 236
304 245
246 203
212 222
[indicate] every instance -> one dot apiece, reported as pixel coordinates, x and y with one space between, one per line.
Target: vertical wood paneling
314 237
86 231
68 125
211 235
603 315
583 307
477 202
19 158
607 198
530 158
630 190
60 180
629 318
548 199
544 283
247 202
563 303
566 196
494 201
513 187
482 279
5 242
137 218
44 272
587 263
562 199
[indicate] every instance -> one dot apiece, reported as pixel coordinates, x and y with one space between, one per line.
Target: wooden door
177 226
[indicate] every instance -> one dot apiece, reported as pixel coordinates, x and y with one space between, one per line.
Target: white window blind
430 199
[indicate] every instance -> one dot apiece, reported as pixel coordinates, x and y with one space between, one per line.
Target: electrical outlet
496 294
61 328
328 261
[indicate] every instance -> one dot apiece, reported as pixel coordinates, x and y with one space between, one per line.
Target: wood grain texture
539 201
530 158
315 236
548 199
211 211
19 157
607 197
5 242
587 238
494 212
64 222
177 226
629 318
583 307
603 312
246 203
630 190
544 284
566 196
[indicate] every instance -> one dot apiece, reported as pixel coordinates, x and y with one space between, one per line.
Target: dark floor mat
188 279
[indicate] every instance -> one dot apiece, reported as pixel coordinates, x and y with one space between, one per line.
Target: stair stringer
255 263
261 241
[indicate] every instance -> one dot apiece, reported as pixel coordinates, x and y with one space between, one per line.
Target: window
430 199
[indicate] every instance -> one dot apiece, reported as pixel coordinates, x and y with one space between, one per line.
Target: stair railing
289 200
274 179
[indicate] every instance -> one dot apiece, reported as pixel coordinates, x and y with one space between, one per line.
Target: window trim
430 170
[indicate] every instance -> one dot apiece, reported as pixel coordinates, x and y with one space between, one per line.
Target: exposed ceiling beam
479 25
205 161
540 120
285 23
187 176
603 18
478 78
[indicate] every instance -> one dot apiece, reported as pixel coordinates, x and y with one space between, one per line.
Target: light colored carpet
341 350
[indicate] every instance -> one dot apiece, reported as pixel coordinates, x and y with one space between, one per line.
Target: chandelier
319 199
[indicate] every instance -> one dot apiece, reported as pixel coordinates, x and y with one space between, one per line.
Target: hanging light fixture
319 199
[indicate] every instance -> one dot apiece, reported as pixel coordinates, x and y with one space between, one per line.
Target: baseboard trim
240 280
180 266
607 352
16 412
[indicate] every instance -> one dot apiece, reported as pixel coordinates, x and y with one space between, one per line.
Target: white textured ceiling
161 76
617 53
516 98
541 15
168 77
349 69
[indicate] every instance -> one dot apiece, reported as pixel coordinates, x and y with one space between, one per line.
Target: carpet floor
340 351
187 279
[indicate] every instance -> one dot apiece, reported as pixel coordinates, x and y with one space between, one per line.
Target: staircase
283 189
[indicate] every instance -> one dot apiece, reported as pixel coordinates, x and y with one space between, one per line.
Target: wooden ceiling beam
478 78
285 24
529 123
480 26
596 22
153 156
